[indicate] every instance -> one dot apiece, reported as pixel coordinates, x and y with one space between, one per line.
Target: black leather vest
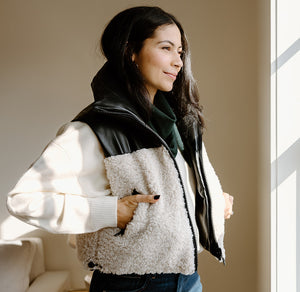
120 129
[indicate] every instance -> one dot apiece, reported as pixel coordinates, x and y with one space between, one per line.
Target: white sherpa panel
159 237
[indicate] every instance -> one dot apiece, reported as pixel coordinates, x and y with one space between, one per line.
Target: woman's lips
171 75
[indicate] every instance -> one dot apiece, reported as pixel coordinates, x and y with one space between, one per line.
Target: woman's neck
152 94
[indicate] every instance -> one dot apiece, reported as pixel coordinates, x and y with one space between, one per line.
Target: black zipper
132 116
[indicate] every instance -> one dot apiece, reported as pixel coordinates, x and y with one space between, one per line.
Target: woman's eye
166 48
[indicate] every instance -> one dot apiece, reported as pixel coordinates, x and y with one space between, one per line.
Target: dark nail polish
135 192
156 197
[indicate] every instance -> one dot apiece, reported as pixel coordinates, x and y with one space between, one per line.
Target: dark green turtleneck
163 122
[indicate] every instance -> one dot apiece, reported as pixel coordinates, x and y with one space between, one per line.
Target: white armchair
22 268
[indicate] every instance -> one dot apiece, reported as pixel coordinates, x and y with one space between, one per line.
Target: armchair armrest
51 281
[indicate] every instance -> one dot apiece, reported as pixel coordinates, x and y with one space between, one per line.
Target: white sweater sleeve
66 189
211 176
217 198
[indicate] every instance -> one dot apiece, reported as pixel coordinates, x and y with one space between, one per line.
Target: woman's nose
177 60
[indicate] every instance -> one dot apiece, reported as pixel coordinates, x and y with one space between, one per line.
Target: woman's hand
128 204
228 205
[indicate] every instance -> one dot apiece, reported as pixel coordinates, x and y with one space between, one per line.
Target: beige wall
48 57
264 149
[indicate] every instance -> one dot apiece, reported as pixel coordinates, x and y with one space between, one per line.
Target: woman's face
159 60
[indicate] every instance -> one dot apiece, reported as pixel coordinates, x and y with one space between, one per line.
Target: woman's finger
145 198
228 205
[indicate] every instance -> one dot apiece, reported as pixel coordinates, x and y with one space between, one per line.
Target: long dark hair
125 35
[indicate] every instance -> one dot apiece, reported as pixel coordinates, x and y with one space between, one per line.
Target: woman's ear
133 57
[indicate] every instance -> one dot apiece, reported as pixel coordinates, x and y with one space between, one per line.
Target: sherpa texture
159 237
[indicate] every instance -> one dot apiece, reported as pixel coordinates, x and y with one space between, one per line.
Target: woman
130 175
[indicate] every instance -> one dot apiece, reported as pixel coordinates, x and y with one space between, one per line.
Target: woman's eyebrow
171 43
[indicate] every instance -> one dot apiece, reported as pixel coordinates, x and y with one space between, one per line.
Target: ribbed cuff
103 212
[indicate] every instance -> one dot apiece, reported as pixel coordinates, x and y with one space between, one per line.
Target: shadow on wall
287 163
285 56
